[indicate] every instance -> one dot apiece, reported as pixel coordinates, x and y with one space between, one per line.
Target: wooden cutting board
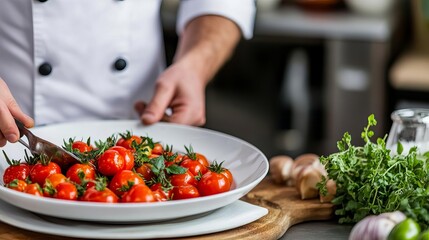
285 208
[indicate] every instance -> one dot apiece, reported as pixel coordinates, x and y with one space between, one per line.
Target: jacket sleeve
242 12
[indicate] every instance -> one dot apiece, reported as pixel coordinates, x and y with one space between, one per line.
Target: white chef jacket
80 41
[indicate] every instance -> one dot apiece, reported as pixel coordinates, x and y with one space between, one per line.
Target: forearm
206 44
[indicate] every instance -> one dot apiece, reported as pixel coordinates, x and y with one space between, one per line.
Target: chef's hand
204 46
179 89
8 110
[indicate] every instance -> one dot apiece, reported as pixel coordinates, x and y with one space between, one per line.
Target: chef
64 60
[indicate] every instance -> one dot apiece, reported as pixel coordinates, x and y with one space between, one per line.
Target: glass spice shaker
411 128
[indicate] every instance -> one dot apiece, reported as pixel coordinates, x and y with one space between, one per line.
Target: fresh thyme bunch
371 180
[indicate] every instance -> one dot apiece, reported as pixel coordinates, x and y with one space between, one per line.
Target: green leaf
158 165
176 169
399 148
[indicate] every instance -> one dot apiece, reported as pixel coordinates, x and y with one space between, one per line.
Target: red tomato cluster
123 168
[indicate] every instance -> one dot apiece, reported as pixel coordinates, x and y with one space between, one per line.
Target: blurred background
316 69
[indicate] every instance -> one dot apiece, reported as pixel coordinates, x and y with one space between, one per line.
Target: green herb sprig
371 180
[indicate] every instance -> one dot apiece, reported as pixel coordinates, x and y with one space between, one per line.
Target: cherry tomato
66 191
110 162
160 194
213 183
185 192
126 141
157 149
16 169
41 171
55 179
202 159
171 157
105 195
146 171
74 172
217 167
128 156
228 175
183 179
123 181
81 146
17 185
194 166
51 182
34 189
196 156
177 160
20 171
139 193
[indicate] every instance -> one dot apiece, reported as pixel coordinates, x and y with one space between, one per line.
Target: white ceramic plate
231 216
247 164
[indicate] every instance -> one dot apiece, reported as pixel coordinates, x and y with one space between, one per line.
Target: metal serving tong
39 146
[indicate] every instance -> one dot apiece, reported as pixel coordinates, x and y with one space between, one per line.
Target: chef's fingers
8 110
190 113
8 127
139 107
21 116
181 110
154 111
3 140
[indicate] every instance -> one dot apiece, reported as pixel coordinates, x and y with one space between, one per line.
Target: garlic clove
319 166
306 159
281 168
316 165
300 162
307 181
287 169
296 171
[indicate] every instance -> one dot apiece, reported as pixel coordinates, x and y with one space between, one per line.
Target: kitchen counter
320 230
